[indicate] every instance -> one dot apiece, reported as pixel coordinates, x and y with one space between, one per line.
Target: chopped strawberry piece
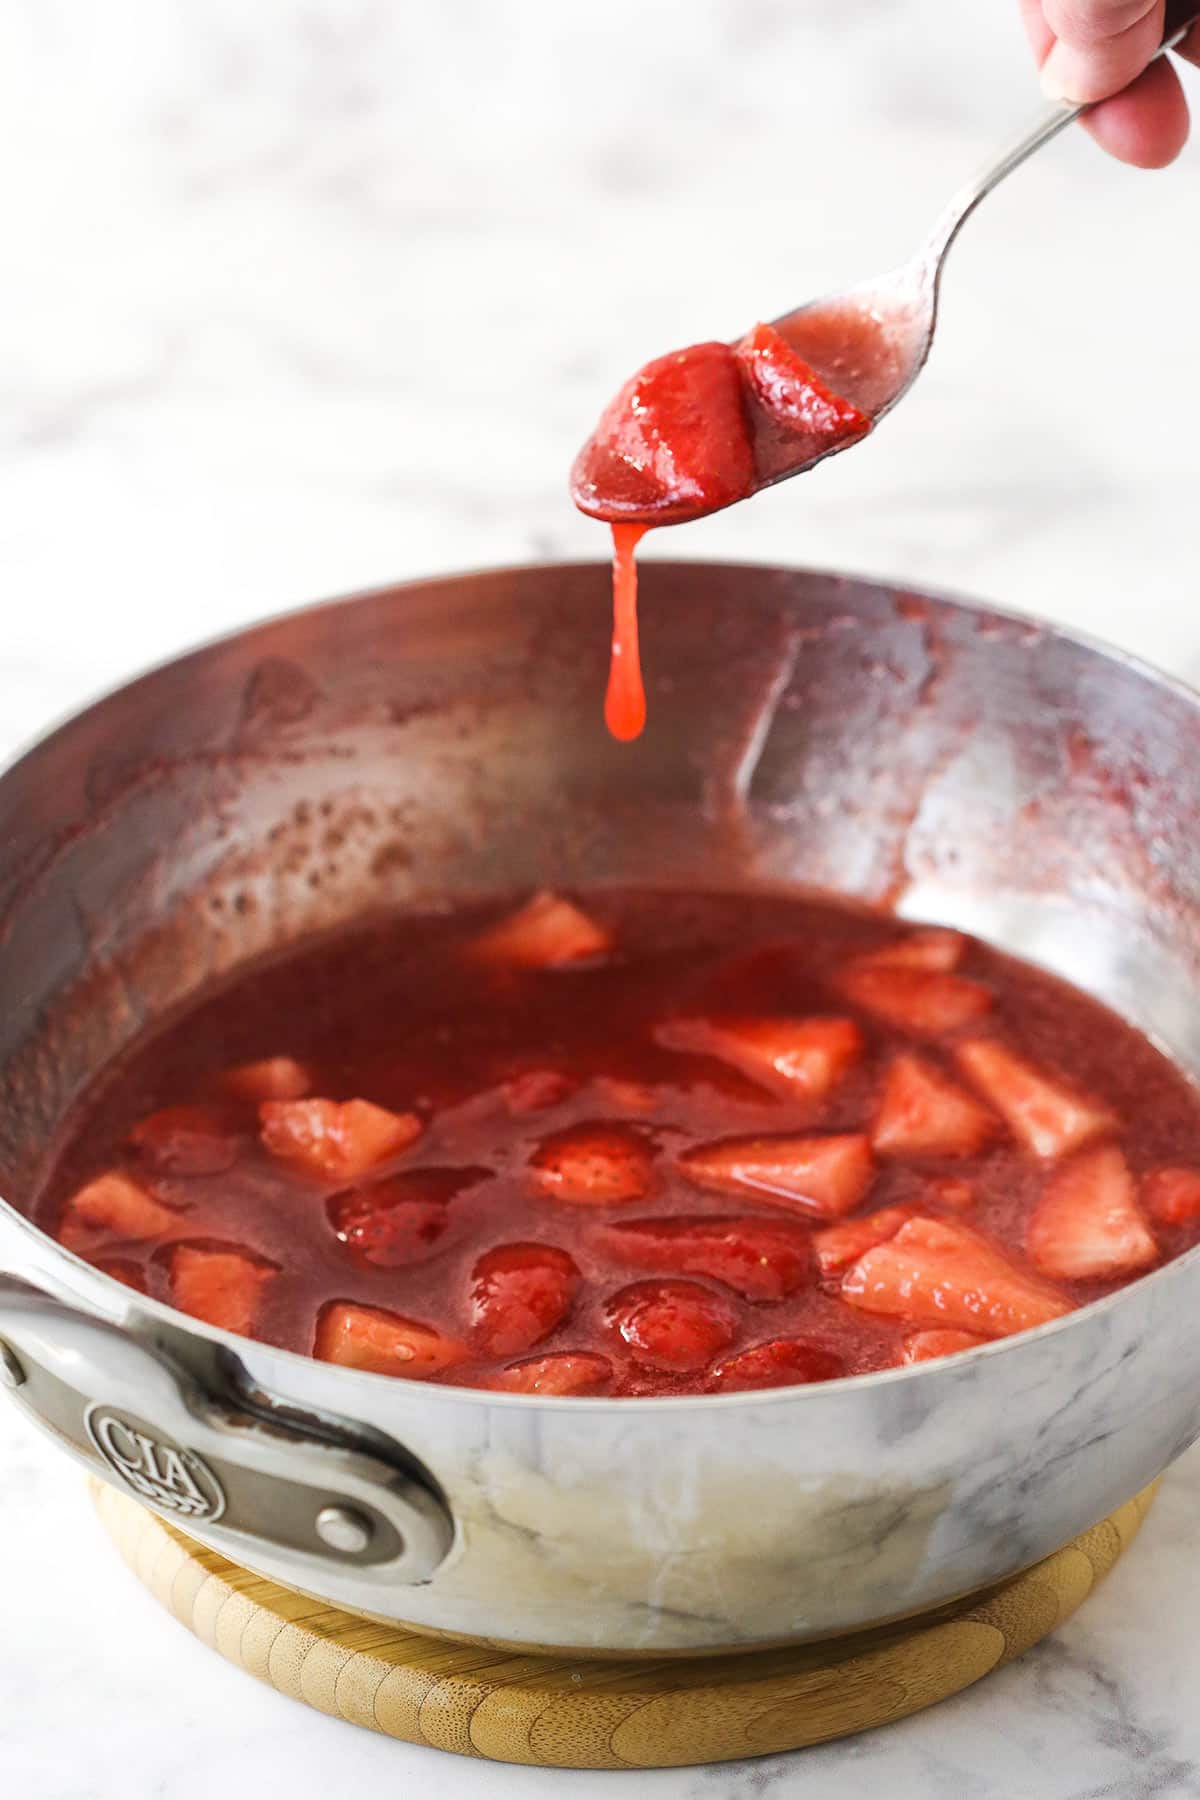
187 1140
397 1235
803 1058
936 1273
784 1362
922 1001
672 445
1046 1115
402 1220
117 1203
272 1078
367 1337
1087 1226
675 1325
565 1372
536 1090
763 1259
593 1165
222 1287
548 932
128 1273
837 1246
823 1175
957 1196
923 1113
338 1139
802 418
924 1346
933 948
1172 1196
519 1294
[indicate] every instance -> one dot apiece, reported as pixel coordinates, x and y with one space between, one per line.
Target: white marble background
305 295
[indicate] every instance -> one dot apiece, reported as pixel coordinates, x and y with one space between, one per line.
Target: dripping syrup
625 700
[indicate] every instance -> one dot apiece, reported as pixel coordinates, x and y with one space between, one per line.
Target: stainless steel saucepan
444 739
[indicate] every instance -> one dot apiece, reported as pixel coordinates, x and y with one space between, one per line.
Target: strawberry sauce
634 1144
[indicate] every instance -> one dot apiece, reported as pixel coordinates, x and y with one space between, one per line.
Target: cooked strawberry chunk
924 1346
784 1362
116 1203
564 1372
187 1140
797 416
935 1273
932 948
673 1325
519 1294
400 1221
536 1090
925 1002
803 1058
1087 1226
546 933
823 1175
593 1165
763 1259
1043 1112
672 445
367 1337
395 1236
338 1139
924 1113
837 1246
271 1078
222 1287
1172 1196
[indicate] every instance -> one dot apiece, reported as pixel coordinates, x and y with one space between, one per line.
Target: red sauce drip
625 701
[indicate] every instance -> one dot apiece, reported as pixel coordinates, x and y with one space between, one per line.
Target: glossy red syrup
693 432
625 701
634 1144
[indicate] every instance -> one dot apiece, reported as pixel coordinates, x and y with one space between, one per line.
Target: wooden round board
570 1713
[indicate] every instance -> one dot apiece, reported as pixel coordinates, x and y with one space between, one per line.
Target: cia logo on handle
169 1477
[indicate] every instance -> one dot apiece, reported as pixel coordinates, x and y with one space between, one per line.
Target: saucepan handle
275 1486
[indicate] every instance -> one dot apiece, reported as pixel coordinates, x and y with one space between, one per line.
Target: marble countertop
315 294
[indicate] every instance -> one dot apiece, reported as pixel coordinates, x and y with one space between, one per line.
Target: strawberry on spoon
691 433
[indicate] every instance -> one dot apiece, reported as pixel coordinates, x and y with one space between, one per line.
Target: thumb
1100 45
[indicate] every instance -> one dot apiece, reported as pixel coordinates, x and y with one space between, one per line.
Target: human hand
1093 49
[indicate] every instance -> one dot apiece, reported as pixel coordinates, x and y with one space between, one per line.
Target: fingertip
1037 31
1095 54
1147 125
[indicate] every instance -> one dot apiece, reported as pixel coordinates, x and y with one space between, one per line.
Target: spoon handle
1179 21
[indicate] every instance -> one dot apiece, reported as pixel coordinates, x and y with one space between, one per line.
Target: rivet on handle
344 1529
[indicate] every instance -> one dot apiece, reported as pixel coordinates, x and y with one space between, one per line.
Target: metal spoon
870 342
